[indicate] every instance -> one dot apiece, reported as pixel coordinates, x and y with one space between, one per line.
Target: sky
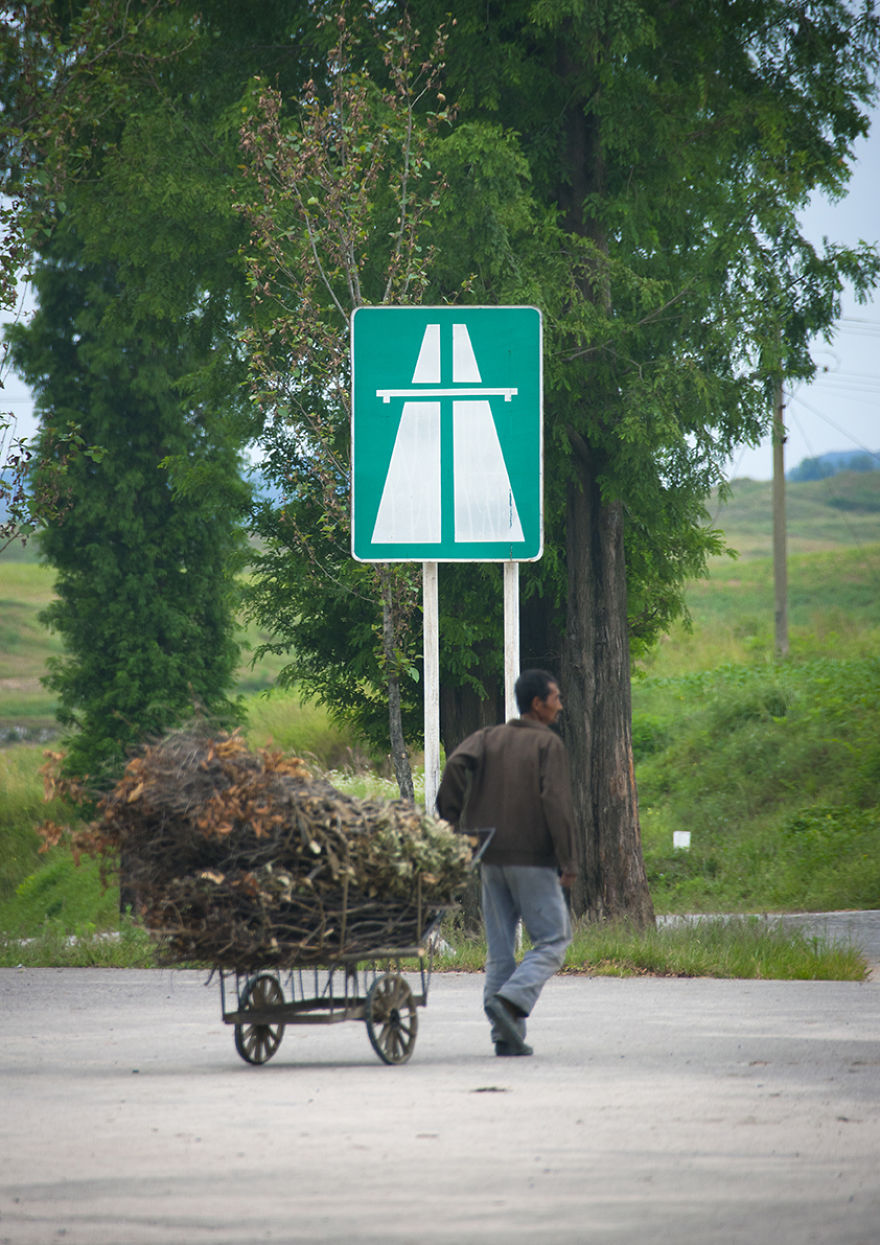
838 410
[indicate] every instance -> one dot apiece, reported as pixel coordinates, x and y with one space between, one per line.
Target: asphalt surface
699 1112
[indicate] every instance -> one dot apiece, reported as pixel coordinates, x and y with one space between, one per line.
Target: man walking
515 778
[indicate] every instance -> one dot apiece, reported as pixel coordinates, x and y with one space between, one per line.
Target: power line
793 397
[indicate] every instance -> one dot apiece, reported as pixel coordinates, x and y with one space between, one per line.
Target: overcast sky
840 410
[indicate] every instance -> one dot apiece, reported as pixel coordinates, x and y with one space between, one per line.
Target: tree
653 160
343 189
669 149
144 569
121 142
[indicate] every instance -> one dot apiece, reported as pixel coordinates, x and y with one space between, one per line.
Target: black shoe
504 1048
496 1009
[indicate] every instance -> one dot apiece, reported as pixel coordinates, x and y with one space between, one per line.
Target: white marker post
431 652
511 638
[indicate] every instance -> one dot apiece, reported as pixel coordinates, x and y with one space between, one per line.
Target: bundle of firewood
242 859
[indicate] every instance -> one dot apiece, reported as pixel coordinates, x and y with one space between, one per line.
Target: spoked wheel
257 1043
392 1021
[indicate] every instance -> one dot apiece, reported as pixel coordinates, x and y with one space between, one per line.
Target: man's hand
567 879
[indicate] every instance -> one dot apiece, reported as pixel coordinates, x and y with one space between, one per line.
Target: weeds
741 947
774 768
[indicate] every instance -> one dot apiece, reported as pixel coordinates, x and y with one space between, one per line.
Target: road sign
446 434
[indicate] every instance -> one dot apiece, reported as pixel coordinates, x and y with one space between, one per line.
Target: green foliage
69 896
742 948
340 192
21 807
85 947
144 588
636 171
775 772
124 161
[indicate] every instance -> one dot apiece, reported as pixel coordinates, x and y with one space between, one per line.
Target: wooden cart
376 989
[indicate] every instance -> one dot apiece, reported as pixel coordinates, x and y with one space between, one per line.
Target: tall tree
669 149
343 192
145 587
125 147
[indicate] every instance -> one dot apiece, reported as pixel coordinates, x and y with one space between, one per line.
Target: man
515 778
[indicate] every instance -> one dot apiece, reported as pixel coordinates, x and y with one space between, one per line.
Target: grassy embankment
773 766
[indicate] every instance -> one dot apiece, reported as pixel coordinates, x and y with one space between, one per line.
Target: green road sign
446 434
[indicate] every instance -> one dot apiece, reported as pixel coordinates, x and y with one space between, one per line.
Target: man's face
548 710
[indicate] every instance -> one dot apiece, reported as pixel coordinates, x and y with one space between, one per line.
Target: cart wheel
392 1022
258 1043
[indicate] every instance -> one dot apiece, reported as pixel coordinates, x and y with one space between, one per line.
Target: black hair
532 683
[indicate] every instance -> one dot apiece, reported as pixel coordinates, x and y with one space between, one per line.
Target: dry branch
242 859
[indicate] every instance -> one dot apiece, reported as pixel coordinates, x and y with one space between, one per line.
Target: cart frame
371 987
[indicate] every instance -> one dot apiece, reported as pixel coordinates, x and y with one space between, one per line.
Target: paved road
699 1112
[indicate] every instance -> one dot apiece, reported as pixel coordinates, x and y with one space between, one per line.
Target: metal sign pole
431 651
511 637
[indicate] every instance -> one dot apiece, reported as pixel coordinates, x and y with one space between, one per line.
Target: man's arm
453 789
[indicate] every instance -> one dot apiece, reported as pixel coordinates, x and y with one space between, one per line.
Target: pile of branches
242 859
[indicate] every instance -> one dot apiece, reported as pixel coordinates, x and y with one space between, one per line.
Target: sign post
447 457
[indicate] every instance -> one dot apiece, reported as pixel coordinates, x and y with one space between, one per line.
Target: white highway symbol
410 508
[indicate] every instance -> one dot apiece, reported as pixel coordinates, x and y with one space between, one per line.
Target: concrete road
698 1112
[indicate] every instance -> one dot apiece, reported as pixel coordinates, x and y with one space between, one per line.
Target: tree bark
611 882
462 711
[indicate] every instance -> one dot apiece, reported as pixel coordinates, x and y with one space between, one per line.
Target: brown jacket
513 778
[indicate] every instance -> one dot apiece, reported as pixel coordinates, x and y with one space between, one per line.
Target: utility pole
780 565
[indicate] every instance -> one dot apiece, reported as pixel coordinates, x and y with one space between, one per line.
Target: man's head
537 696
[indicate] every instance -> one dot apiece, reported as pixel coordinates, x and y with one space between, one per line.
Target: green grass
841 511
773 766
86 946
282 720
26 709
22 806
832 611
64 894
775 771
742 947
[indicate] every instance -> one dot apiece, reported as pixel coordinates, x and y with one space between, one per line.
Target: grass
821 515
742 947
280 719
773 766
747 947
832 610
775 771
54 945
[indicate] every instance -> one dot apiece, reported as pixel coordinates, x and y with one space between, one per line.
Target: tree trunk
399 754
597 721
612 883
462 711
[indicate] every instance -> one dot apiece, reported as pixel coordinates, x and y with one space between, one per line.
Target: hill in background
830 464
841 510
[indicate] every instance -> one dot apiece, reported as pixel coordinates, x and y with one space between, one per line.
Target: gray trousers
533 893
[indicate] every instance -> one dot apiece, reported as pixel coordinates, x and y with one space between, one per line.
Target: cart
374 989
382 987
